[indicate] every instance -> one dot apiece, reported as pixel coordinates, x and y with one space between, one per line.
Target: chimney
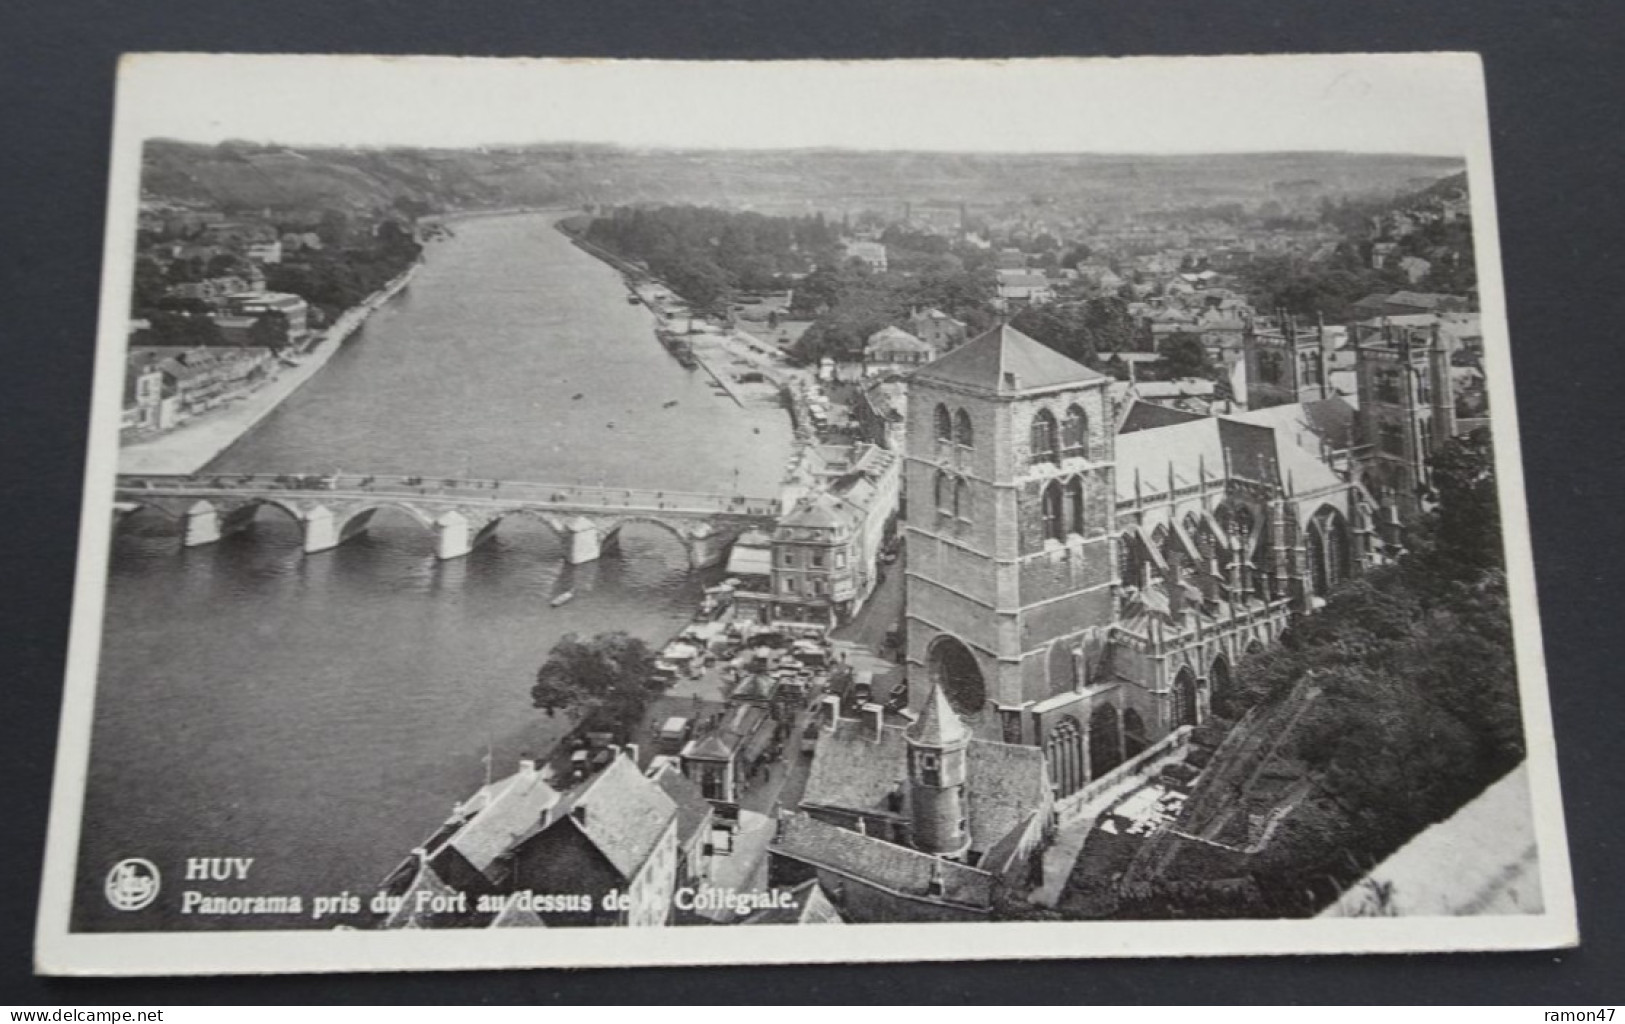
631 751
527 764
829 712
874 717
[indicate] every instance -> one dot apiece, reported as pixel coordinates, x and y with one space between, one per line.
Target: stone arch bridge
462 514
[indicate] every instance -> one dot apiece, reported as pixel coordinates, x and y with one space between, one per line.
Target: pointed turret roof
1006 362
939 724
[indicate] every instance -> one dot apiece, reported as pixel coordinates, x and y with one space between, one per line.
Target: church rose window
1044 448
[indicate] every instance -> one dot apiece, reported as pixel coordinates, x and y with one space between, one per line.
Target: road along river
321 714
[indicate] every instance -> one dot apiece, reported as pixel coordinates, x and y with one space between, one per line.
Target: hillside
243 175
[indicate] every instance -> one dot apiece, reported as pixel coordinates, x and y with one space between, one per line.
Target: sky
1409 103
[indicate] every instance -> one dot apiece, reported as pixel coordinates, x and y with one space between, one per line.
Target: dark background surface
1555 91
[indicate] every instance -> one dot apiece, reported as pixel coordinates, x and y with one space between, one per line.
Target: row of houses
165 386
825 555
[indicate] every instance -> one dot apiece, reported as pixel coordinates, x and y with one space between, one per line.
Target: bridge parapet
495 492
462 513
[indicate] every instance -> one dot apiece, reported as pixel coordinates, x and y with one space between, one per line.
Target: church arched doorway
953 667
1064 750
1135 738
1105 741
1185 697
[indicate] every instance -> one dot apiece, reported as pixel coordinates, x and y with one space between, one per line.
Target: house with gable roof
615 832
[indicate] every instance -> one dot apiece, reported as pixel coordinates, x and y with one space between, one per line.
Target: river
323 713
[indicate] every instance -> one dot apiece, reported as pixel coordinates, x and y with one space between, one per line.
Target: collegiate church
1082 576
1083 579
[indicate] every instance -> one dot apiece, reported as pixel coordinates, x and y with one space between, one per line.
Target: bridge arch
358 519
494 521
129 509
675 529
246 509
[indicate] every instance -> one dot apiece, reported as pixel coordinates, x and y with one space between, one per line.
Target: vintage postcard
549 513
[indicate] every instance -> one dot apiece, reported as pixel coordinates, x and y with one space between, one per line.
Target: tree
607 681
270 330
150 283
1184 356
1462 537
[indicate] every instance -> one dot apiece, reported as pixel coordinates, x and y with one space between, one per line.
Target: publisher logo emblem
132 884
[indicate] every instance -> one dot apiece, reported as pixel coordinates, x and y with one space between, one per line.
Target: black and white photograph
992 509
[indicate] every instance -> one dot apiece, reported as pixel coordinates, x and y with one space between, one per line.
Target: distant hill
243 175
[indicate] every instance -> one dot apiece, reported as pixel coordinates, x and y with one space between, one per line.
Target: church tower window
1044 446
1053 503
1076 521
944 424
1074 434
964 436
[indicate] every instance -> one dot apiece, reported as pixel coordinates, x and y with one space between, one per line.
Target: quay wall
194 444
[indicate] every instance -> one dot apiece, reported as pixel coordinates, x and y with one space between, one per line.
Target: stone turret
937 747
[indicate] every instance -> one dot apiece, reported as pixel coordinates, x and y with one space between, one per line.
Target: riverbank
193 445
744 367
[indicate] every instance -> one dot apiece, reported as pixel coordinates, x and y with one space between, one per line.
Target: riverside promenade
196 443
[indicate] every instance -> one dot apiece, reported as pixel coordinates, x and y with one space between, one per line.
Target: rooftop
892 867
1006 362
622 813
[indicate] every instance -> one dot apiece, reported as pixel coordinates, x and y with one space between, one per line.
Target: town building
1402 303
879 410
616 832
1086 591
827 547
720 759
199 379
695 821
870 254
211 289
149 406
894 350
265 251
936 328
294 311
1018 289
